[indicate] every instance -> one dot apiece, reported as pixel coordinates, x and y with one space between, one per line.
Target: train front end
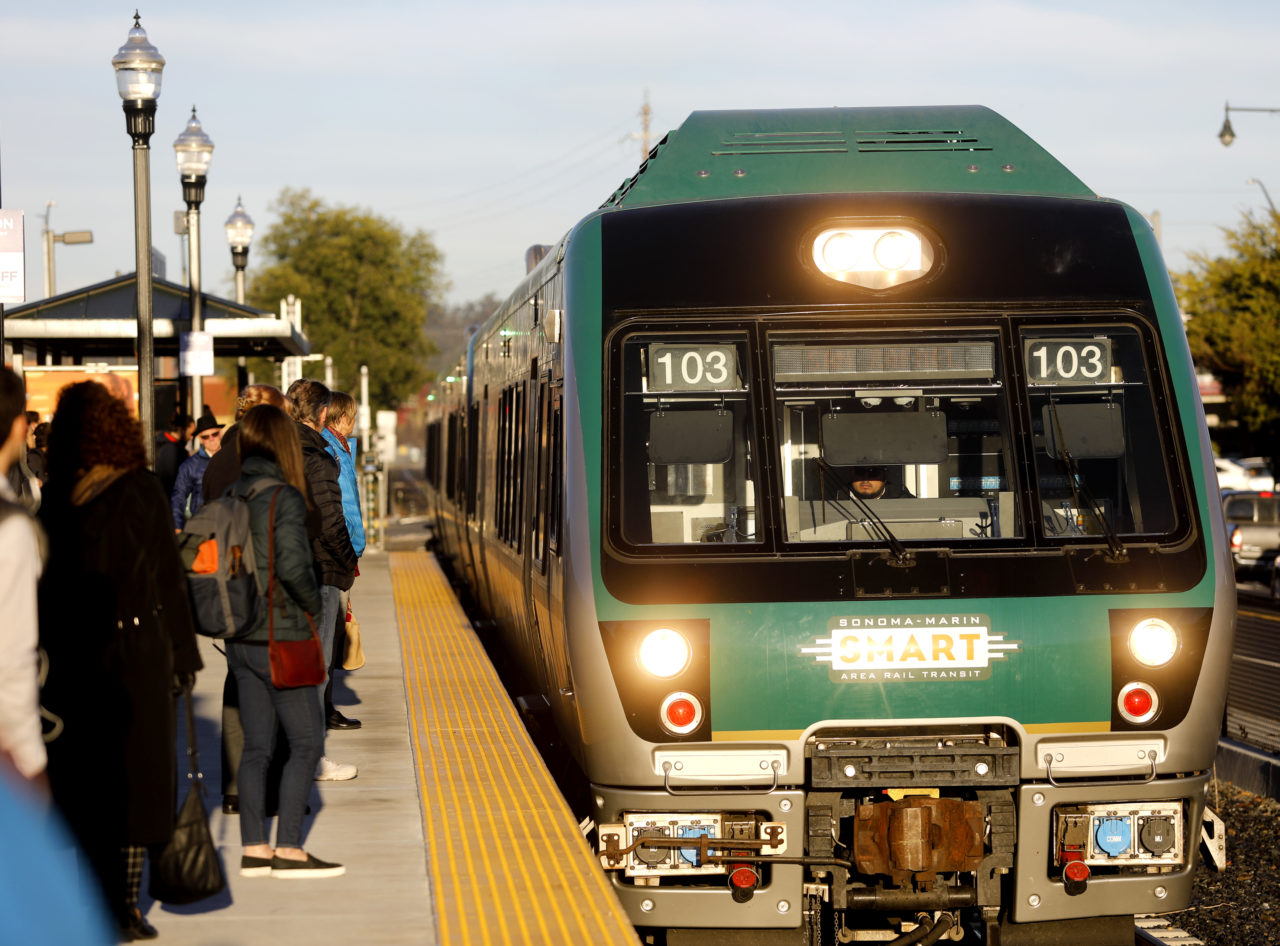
898 597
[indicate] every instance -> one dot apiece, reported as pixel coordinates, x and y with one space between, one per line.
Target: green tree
1232 307
365 286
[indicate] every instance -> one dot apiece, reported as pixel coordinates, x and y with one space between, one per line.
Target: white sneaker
330 771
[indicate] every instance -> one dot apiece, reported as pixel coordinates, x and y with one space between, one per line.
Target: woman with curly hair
116 624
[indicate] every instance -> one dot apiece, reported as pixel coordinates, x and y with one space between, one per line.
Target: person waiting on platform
187 494
115 621
269 447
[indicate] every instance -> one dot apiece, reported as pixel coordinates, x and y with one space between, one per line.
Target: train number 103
693 368
1069 361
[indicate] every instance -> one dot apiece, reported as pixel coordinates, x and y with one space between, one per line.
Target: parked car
1231 475
1253 529
1258 472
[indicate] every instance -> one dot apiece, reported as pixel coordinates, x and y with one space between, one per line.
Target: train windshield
879 435
1020 432
1099 460
687 410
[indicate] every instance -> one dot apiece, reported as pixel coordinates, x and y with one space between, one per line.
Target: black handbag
188 868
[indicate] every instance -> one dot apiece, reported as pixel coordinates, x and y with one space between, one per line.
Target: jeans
261 706
327 627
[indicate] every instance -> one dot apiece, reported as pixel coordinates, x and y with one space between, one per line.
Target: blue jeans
261 705
327 628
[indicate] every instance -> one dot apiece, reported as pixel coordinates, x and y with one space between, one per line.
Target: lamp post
138 67
1228 134
194 151
239 236
1265 193
50 238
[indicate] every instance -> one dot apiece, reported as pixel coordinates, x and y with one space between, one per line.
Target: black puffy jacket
335 558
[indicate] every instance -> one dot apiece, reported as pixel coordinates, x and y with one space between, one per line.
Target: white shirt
20 732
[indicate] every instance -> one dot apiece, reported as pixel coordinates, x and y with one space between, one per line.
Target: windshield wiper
901 557
1078 488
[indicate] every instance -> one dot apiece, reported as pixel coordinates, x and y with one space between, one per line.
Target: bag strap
193 758
271 568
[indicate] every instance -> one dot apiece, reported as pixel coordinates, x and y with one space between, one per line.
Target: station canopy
100 321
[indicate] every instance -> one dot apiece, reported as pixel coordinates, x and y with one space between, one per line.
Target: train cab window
912 436
687 470
1100 462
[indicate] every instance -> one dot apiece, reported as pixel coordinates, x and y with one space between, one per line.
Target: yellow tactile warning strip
508 863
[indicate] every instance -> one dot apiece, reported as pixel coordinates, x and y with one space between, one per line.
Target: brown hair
92 427
341 406
255 394
309 398
267 432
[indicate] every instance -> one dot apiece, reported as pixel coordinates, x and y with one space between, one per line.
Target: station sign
195 354
12 260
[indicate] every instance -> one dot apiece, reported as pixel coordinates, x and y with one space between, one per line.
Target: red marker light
1137 702
744 877
680 713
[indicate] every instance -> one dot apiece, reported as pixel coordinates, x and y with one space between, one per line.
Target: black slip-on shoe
255 866
311 867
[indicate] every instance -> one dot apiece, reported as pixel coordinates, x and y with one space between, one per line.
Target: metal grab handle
1151 755
670 790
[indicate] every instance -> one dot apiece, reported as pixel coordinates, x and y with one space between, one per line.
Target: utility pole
645 114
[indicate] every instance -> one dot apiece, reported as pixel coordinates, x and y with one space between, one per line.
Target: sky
493 125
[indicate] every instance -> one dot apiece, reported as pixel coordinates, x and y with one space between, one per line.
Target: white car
1231 475
1258 472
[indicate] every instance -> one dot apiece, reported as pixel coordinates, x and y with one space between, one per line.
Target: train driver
875 482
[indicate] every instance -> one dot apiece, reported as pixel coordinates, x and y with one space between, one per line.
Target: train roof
946 149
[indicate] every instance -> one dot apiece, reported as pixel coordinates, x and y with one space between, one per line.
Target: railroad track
1157 931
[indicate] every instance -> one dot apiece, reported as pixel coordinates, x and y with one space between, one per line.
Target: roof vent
904 140
784 142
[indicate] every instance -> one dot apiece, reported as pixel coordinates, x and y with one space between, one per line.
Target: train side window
474 415
687 471
554 509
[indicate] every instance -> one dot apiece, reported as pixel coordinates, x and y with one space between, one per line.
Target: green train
842 486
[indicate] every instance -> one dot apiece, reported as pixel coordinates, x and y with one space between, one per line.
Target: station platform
453 833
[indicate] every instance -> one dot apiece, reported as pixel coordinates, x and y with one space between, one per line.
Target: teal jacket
296 593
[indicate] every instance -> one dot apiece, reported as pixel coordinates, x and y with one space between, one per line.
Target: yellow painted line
1095 725
755 735
1259 614
508 862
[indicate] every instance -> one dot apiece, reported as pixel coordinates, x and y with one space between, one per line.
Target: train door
544 576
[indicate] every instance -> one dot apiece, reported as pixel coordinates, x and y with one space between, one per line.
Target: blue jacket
341 452
187 486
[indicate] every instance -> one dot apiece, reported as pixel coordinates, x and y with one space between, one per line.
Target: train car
842 486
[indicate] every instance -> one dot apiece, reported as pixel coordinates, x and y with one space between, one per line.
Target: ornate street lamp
194 151
138 67
1228 134
239 236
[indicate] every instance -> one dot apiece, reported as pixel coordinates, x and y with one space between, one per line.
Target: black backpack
222 572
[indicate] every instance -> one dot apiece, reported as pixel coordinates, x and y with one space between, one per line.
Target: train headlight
874 257
665 652
1153 642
